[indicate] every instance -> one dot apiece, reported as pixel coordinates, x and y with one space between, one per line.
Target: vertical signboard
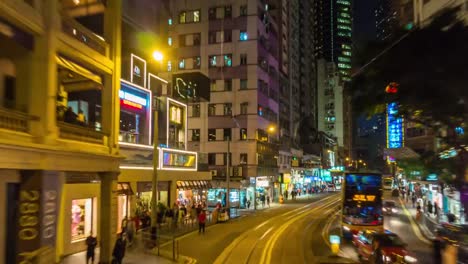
395 133
37 217
138 70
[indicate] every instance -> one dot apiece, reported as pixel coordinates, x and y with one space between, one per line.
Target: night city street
233 131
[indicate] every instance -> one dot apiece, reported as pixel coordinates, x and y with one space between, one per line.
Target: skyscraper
386 18
333 22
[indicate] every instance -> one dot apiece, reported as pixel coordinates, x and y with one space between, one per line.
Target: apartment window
196 62
212 13
213 85
243 158
227 134
169 21
227 36
211 158
228 85
169 41
181 64
227 11
212 134
212 61
243 10
243 134
227 109
243 59
195 134
196 110
182 17
196 39
211 110
228 60
196 16
225 159
211 37
243 84
169 66
244 108
243 36
189 16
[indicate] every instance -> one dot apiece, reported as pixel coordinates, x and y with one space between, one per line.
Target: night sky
364 22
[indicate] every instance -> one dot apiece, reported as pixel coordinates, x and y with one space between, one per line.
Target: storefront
218 195
144 195
124 210
192 192
135 114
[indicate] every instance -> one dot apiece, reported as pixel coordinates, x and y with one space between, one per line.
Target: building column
43 85
110 93
108 214
172 193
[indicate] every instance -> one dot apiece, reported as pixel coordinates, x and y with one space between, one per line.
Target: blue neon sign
394 127
132 98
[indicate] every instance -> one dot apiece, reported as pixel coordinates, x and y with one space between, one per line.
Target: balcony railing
84 35
14 120
78 133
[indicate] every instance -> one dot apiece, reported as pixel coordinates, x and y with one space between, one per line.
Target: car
337 186
394 250
389 207
331 187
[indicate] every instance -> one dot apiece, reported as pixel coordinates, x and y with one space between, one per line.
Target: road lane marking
266 233
267 251
414 224
221 259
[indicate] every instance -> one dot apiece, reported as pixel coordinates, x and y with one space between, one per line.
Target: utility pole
155 192
228 176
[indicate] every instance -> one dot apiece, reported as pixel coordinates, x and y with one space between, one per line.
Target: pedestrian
119 249
438 245
248 204
262 199
377 257
286 194
436 210
429 207
244 201
413 199
91 243
202 221
268 200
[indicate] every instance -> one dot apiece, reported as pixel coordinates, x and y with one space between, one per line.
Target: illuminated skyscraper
333 23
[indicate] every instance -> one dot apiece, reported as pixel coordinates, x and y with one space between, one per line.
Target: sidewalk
427 224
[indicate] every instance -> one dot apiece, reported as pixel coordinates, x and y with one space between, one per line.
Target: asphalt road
290 233
402 224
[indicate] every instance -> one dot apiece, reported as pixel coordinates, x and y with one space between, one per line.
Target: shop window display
81 219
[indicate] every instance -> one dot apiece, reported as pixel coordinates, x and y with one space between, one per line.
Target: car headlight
410 259
387 259
346 228
384 209
394 210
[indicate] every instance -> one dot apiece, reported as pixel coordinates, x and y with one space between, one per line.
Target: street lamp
157 56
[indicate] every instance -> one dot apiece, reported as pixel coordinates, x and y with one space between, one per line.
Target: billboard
192 86
395 133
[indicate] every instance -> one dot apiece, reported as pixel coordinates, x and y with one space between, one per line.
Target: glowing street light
158 56
271 129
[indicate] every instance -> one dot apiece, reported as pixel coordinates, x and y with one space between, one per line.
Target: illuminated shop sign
363 198
263 181
395 134
193 86
337 169
131 98
175 114
172 159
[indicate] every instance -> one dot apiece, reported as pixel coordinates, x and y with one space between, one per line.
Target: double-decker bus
362 203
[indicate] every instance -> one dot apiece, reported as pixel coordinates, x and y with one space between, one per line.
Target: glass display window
81 219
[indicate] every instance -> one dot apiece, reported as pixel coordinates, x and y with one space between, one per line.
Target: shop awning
124 188
78 69
187 185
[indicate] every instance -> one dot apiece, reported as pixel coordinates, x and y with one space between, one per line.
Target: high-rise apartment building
333 23
386 18
237 45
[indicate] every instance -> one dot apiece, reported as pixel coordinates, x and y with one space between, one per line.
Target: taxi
394 250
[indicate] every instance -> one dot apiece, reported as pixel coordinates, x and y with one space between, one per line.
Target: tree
430 71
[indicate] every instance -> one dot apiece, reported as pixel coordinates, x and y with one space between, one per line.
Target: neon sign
131 104
363 198
395 134
132 98
171 159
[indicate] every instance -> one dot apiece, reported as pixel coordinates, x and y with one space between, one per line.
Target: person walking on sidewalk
91 243
202 221
268 200
248 204
119 249
413 199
